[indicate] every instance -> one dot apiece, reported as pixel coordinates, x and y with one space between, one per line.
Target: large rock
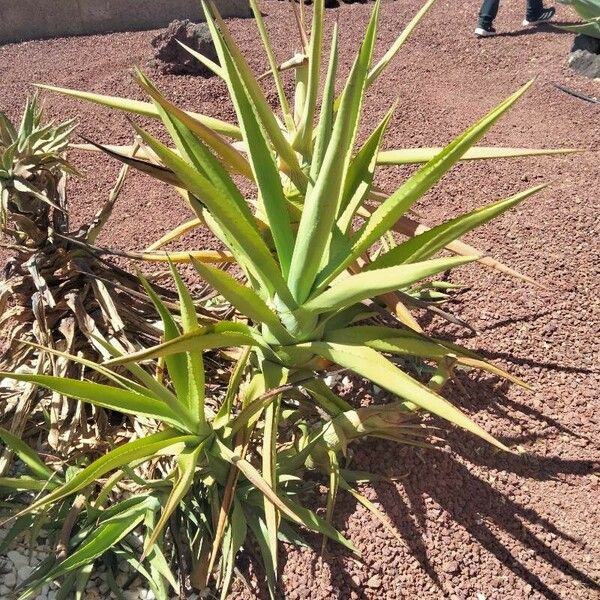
586 63
171 58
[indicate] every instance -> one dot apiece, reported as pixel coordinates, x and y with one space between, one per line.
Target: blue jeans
489 10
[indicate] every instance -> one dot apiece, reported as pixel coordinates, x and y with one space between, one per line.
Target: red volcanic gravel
475 523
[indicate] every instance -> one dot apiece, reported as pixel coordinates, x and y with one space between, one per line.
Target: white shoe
485 32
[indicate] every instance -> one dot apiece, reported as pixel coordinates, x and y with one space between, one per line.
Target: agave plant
311 273
316 253
32 169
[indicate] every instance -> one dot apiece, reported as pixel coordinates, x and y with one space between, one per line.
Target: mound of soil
473 523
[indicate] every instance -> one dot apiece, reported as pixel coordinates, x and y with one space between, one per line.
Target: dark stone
586 63
172 59
586 42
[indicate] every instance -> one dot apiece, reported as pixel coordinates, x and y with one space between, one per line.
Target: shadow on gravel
473 504
490 393
544 28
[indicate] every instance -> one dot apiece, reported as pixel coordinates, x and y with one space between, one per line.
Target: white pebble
4 591
331 380
24 572
17 558
10 579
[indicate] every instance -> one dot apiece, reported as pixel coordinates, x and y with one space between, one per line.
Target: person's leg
488 12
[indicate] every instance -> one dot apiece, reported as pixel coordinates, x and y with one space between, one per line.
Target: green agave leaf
400 341
176 363
395 47
105 396
195 364
424 245
154 578
197 154
251 411
120 380
372 283
333 468
259 529
386 215
223 417
380 516
256 479
82 577
213 66
329 401
312 521
305 126
25 484
244 299
324 128
275 375
146 109
360 174
235 537
322 200
21 524
409 156
101 539
184 478
245 239
283 102
591 28
586 9
221 335
374 366
230 156
264 168
225 44
157 444
27 455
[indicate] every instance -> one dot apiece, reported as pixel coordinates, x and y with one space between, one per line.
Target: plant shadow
488 515
437 478
543 28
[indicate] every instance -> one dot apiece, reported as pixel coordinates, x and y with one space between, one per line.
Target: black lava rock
172 59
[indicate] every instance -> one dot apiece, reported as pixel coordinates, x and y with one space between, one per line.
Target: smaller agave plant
32 170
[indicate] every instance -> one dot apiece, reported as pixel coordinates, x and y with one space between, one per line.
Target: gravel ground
475 524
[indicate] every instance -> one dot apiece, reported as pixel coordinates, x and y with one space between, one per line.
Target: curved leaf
371 283
374 366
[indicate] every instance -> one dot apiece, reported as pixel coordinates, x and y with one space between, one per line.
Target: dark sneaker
485 31
545 16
